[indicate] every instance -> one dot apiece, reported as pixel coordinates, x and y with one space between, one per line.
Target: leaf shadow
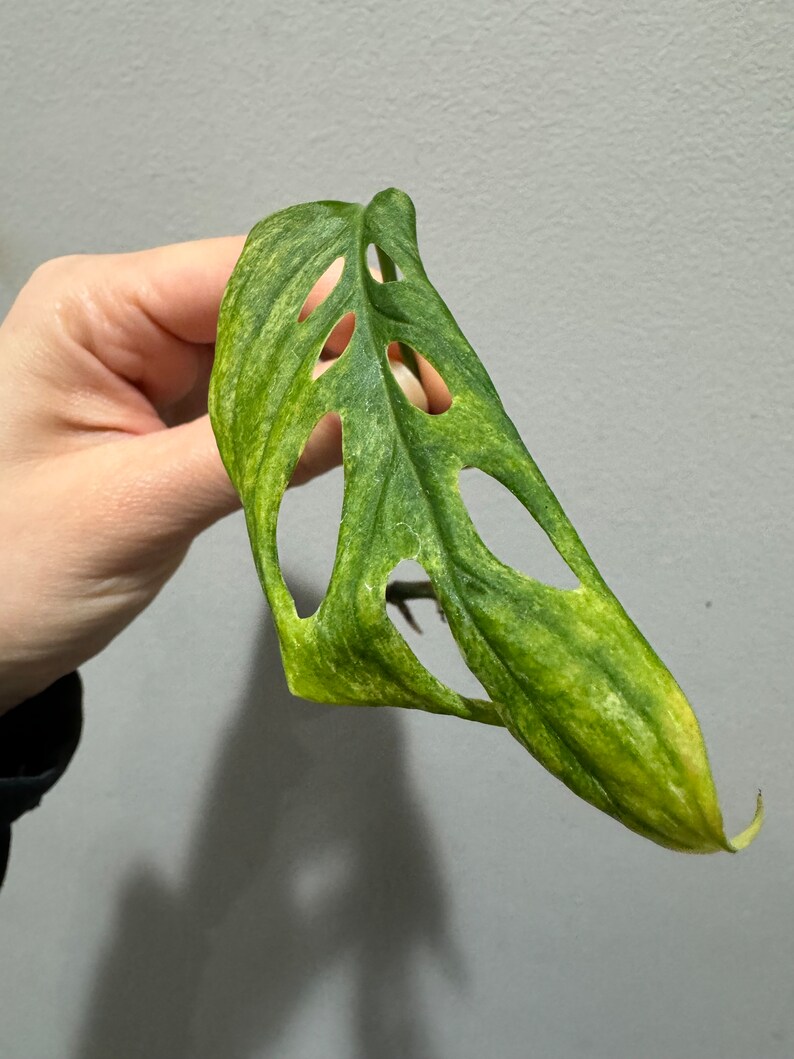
312 854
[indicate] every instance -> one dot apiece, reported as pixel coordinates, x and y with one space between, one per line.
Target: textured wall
604 197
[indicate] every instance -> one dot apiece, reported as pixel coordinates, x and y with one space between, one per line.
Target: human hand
108 463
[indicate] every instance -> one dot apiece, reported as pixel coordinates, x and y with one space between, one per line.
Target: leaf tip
744 839
394 198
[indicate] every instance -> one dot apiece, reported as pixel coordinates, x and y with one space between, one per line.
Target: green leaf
566 670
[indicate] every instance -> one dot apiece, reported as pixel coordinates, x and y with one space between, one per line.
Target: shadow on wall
311 858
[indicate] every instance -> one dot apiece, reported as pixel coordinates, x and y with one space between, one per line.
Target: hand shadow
311 858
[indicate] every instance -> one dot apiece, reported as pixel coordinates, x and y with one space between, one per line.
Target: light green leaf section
567 672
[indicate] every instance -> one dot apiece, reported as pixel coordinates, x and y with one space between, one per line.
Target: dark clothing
37 741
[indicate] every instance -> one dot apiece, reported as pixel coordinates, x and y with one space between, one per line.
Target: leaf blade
567 671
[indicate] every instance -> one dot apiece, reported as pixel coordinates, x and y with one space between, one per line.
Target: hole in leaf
434 646
437 397
306 536
339 339
510 532
375 263
322 288
372 262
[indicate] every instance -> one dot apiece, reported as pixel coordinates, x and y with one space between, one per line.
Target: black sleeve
37 741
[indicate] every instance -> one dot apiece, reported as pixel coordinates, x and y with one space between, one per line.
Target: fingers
181 285
338 340
171 484
148 316
168 485
410 385
438 396
151 316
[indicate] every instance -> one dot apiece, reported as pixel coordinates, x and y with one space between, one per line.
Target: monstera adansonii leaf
566 671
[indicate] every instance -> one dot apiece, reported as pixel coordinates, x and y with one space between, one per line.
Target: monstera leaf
566 671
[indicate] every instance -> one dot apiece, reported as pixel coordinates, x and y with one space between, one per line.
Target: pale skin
108 463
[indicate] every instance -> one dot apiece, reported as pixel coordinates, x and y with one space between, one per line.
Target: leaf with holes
565 670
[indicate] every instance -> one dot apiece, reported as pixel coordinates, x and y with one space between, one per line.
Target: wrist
17 687
11 695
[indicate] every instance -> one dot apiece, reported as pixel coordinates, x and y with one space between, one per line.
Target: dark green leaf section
567 672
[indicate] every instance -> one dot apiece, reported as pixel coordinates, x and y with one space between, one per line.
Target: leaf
566 670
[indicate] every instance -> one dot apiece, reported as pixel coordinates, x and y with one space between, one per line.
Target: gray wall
604 198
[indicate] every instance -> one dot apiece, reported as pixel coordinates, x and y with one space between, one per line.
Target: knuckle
57 269
52 288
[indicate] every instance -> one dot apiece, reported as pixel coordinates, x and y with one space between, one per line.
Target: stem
389 275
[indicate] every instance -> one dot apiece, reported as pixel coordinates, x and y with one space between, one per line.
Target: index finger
180 286
149 316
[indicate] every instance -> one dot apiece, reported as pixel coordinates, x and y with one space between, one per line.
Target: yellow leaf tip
746 837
